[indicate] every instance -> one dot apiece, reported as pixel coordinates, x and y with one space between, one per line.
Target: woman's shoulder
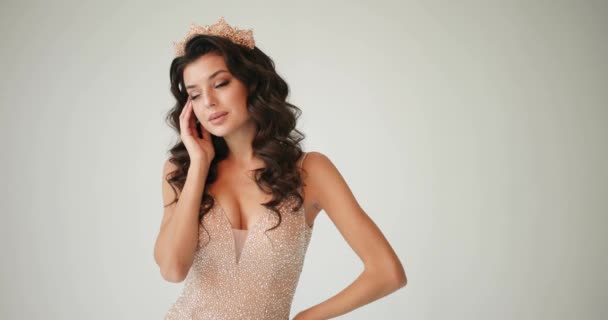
318 168
312 164
311 159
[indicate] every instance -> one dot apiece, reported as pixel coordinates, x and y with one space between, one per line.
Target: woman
240 199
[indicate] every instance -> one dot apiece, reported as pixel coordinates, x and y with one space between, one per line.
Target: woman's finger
192 122
181 115
187 112
188 119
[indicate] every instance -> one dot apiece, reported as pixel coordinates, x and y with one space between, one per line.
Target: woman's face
214 90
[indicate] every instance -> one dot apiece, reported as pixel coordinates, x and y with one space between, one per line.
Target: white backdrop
472 132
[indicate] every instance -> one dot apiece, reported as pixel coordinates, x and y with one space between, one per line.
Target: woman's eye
222 84
219 85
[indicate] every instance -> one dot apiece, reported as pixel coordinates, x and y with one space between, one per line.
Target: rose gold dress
245 274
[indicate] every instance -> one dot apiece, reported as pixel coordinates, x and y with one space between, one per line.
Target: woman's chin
217 132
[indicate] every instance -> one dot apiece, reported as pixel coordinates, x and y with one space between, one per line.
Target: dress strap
304 157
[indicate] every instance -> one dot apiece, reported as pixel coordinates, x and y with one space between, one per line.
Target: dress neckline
248 232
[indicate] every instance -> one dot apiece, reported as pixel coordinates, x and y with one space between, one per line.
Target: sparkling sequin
261 284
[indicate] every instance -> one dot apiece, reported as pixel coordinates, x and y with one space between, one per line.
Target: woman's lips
219 119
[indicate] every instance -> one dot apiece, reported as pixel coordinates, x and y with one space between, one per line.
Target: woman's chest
262 245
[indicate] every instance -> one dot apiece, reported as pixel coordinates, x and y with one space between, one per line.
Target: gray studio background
472 132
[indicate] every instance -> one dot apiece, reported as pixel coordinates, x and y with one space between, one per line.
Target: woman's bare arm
177 240
383 272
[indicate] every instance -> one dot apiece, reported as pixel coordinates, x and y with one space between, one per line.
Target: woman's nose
205 100
208 99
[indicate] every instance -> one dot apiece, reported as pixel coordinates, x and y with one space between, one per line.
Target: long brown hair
277 140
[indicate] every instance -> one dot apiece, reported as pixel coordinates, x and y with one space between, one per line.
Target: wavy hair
277 140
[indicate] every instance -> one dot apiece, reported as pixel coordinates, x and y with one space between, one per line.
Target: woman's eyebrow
190 86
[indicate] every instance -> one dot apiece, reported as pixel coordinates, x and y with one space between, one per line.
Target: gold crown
220 28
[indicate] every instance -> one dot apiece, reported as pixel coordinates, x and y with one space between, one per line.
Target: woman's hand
199 149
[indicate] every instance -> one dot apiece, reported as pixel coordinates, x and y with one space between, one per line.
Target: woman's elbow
172 271
173 274
391 276
395 276
401 279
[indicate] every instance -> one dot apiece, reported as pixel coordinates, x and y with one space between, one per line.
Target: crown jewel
220 28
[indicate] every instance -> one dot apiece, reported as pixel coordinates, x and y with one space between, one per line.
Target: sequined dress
245 274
